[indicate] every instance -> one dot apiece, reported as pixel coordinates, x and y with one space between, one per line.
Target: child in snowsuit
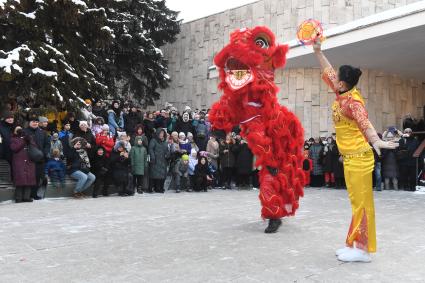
56 170
181 173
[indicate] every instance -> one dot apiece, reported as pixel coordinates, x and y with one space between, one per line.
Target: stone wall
193 52
388 98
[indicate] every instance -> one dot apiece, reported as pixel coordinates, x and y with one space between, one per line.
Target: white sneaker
355 254
342 250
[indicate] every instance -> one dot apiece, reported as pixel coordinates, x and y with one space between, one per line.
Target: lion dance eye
262 43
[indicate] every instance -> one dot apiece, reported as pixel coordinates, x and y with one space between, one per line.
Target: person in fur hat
97 126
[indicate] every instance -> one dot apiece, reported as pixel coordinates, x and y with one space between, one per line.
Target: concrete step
7 192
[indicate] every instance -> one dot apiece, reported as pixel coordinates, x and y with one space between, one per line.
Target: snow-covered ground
205 237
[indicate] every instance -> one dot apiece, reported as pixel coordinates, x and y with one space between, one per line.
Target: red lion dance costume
274 135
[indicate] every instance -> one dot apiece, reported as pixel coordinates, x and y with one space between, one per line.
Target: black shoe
37 198
205 190
18 201
178 191
274 225
28 200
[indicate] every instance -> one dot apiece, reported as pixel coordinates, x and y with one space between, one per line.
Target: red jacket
106 142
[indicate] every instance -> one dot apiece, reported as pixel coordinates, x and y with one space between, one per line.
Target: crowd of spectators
120 145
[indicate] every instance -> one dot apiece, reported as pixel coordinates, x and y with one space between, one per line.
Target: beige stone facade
388 96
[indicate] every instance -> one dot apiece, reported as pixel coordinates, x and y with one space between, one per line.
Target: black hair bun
350 75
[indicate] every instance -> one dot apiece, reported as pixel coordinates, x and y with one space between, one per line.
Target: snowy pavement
205 237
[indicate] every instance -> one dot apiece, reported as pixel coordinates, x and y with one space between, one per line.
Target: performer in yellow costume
354 132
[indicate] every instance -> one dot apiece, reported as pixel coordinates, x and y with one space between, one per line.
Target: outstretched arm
329 74
324 62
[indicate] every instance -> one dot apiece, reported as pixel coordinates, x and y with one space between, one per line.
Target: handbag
34 154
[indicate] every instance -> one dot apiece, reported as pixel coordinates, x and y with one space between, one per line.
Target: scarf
84 157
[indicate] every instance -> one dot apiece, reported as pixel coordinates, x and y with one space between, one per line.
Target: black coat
410 144
40 138
100 165
120 168
389 163
185 127
6 131
131 120
100 112
149 128
227 159
244 159
74 161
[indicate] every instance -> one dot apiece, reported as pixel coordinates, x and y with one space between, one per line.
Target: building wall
193 52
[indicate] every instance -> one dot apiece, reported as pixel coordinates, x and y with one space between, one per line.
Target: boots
274 225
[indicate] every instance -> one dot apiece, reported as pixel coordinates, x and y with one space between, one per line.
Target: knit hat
185 157
105 127
182 135
187 108
55 136
82 123
8 114
42 119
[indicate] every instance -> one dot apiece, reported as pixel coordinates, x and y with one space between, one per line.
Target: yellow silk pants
358 177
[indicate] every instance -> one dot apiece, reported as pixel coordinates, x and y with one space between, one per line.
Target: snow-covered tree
63 51
48 48
141 27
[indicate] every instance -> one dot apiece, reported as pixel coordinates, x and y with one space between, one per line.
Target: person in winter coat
184 144
185 125
201 133
139 132
87 113
244 161
181 173
72 120
79 167
227 160
213 149
338 169
389 162
85 133
120 165
328 162
65 136
139 161
192 142
55 144
100 111
24 170
407 146
105 140
125 140
42 142
100 168
56 170
159 153
97 126
149 125
7 126
132 119
202 174
315 154
193 160
115 118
